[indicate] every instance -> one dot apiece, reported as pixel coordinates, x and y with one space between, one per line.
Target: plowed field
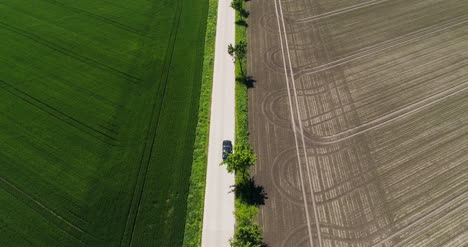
359 116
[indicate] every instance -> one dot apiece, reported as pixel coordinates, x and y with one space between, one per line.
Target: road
218 218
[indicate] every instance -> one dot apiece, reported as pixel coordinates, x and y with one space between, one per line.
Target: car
227 149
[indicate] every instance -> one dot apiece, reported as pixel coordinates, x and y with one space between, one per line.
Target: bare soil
359 117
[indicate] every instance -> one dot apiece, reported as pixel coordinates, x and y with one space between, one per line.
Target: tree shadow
244 13
250 193
242 22
249 81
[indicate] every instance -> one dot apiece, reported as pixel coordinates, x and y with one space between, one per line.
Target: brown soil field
359 118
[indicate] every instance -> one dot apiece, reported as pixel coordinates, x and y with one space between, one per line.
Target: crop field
98 106
359 117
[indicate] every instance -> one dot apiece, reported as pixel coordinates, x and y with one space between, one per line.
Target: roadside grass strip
196 196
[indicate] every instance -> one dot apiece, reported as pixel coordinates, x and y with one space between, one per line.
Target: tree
237 5
239 53
242 158
247 235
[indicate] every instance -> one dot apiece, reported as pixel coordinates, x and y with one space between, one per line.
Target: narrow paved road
218 219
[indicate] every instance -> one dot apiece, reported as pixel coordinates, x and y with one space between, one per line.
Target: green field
98 107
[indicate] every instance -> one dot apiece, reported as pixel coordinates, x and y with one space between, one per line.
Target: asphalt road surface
218 218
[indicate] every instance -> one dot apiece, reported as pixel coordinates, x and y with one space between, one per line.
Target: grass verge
195 198
245 213
242 128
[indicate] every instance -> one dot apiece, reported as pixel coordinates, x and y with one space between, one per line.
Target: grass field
98 107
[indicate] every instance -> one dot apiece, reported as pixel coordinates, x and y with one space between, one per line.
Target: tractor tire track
381 47
57 114
271 58
337 12
391 117
368 238
362 186
411 236
44 210
331 114
70 53
363 179
440 209
322 88
376 122
97 17
145 159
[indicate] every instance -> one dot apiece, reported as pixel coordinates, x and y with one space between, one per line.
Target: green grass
242 126
195 200
98 108
244 213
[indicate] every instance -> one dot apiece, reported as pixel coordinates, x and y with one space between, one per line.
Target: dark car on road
227 149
